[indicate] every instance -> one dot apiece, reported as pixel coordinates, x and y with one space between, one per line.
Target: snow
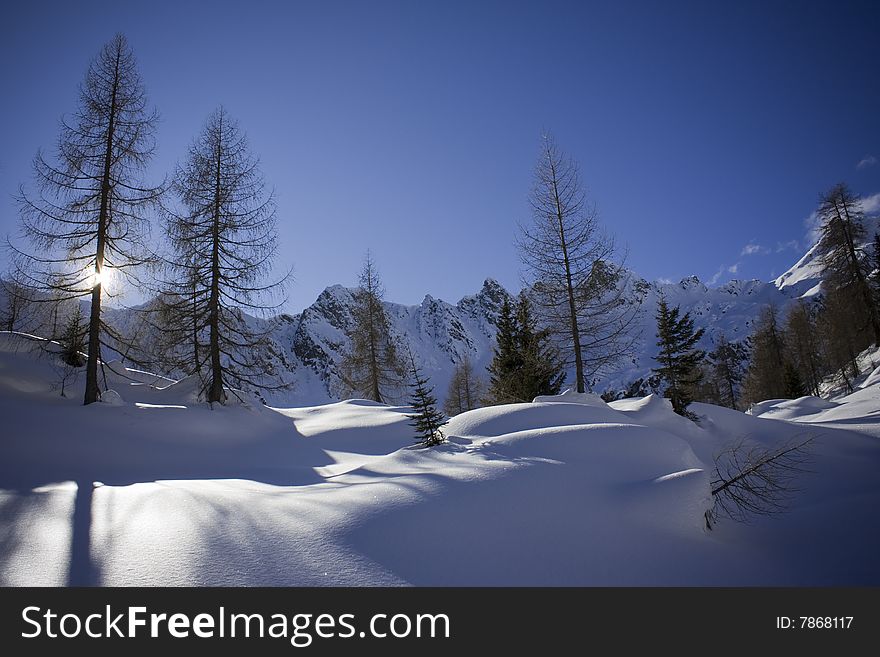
159 489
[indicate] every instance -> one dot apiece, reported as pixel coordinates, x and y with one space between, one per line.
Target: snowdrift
158 489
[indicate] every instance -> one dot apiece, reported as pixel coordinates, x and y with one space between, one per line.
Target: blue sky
705 131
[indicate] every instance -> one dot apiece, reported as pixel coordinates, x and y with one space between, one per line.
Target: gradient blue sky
412 128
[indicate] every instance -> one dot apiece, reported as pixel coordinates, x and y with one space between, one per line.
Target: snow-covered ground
157 489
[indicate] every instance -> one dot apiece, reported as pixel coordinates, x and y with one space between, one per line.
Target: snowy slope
155 489
805 276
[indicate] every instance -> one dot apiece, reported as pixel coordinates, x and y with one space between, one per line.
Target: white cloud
867 161
871 204
754 249
664 281
717 275
733 268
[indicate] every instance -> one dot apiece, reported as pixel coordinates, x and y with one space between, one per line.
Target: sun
104 278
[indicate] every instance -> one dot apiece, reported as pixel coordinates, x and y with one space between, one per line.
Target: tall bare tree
765 378
842 238
90 214
223 245
575 269
803 345
727 369
466 389
371 367
15 305
839 336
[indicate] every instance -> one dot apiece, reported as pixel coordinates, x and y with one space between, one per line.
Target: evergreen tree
679 358
765 375
223 244
727 370
465 389
794 387
507 361
426 419
90 217
526 363
371 368
543 370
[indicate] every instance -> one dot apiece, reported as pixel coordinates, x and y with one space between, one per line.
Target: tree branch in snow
753 480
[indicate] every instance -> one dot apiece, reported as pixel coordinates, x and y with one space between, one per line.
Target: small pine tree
794 386
426 419
679 359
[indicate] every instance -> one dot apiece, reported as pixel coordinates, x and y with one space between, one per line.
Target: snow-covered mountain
441 334
306 349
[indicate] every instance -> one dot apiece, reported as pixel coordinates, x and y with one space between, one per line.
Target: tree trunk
572 309
864 290
374 356
93 392
215 392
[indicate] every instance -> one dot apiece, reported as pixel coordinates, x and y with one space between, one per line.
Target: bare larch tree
371 367
576 272
90 214
466 389
840 245
223 243
753 480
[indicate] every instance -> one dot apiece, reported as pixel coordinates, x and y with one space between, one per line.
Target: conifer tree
794 387
426 419
223 244
371 367
526 363
73 339
802 346
727 363
90 216
679 358
877 253
543 369
578 274
840 338
507 361
876 273
16 304
842 234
